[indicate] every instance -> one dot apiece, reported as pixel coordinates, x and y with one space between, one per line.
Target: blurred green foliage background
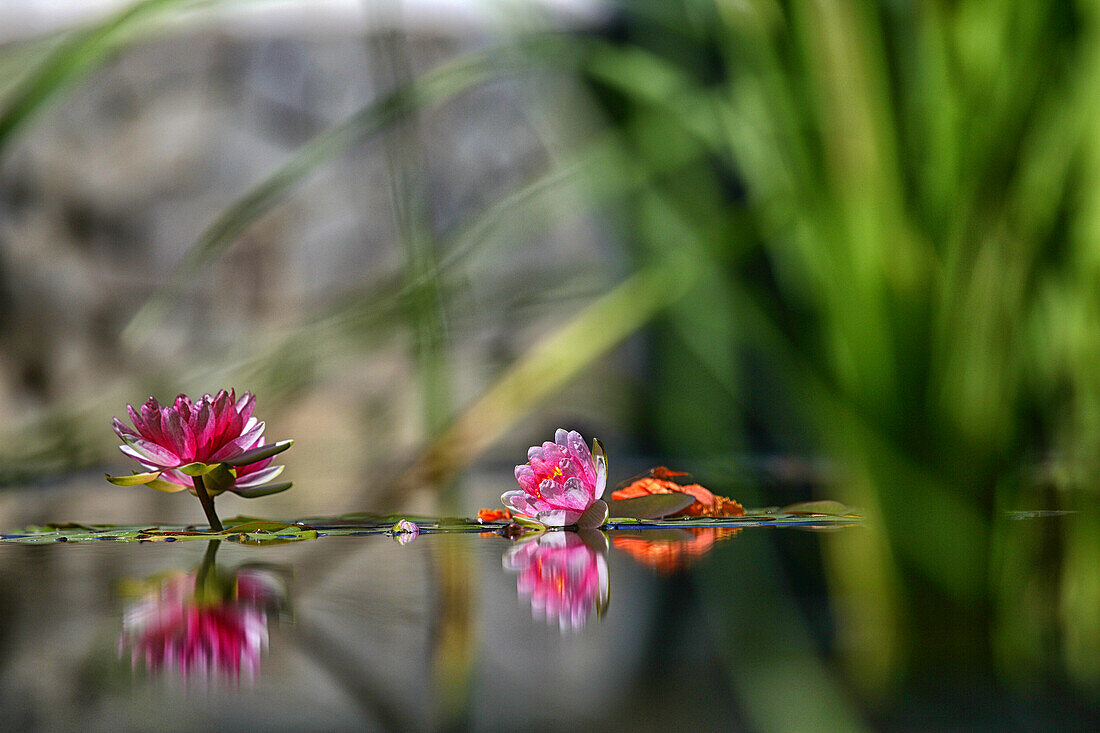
862 233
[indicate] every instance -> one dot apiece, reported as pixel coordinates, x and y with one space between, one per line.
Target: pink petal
183 407
222 411
560 436
140 458
180 434
178 478
541 467
202 423
158 455
578 449
238 445
558 517
260 477
533 452
123 430
526 478
252 468
570 469
139 424
150 415
553 453
518 501
245 405
233 427
570 495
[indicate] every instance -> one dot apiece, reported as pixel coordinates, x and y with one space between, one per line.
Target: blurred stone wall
104 193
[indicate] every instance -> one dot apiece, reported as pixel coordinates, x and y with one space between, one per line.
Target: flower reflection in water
563 574
670 550
205 624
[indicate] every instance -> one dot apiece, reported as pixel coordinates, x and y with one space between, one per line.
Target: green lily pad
261 531
824 508
653 506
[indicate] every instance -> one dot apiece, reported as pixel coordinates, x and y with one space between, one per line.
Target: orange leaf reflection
659 481
673 549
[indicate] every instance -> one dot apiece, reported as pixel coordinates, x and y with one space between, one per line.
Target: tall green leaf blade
78 54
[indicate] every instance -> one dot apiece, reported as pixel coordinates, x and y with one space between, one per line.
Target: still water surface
719 629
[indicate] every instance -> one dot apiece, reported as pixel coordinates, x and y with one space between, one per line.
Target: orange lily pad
493 515
659 481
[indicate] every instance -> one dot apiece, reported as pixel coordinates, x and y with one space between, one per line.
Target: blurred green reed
894 203
865 230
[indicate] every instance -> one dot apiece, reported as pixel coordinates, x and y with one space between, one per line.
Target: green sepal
133 479
529 523
599 455
220 478
594 516
258 454
198 468
266 490
166 486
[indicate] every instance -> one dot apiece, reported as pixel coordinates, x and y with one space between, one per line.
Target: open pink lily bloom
214 429
559 481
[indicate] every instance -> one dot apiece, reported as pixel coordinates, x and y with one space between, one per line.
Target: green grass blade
78 54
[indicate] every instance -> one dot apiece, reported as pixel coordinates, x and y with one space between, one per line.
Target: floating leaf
594 516
256 525
290 533
658 481
824 508
652 506
134 479
258 454
254 530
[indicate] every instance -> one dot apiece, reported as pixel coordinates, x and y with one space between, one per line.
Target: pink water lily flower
218 429
559 481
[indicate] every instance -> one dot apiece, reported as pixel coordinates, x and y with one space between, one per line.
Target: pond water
630 630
